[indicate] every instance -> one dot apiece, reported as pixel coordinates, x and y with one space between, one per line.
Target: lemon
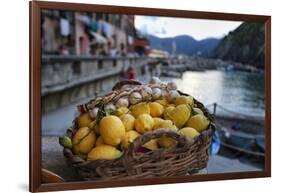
112 130
157 122
166 124
121 111
180 115
162 102
130 136
99 141
189 132
104 152
128 120
156 109
166 142
83 140
198 122
140 108
198 111
184 100
167 112
84 120
144 123
152 144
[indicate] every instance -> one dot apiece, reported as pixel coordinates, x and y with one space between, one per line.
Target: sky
197 28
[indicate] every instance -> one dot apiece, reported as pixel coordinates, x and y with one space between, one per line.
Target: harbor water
239 92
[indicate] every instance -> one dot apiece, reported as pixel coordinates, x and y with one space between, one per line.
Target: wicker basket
187 157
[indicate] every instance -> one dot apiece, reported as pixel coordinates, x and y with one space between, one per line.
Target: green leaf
100 115
101 112
193 112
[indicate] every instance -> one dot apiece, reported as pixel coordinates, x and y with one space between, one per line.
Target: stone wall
68 79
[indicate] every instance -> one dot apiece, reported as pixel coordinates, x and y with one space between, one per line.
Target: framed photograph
123 96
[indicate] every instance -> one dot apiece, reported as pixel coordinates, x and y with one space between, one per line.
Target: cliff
245 45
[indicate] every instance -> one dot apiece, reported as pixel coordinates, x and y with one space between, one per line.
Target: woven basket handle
181 139
118 85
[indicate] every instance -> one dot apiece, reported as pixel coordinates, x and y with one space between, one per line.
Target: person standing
131 73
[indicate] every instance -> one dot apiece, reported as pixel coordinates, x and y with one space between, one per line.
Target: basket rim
80 160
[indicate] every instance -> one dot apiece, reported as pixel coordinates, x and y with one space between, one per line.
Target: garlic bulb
135 97
156 93
172 86
94 112
122 102
164 93
172 96
155 80
146 93
109 108
126 87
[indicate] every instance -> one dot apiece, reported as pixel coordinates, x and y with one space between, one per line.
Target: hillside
184 44
245 44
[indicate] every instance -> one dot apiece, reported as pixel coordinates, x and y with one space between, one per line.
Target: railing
61 58
215 106
63 72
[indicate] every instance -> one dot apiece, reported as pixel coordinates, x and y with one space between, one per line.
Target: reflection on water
241 92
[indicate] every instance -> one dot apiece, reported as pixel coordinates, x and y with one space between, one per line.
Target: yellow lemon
140 108
189 132
156 109
162 102
166 142
83 140
128 121
198 111
112 130
157 121
184 100
144 123
84 120
167 112
171 105
180 115
166 124
104 152
121 111
152 144
99 141
130 136
198 122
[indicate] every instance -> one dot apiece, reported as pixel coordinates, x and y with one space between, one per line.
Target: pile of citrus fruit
105 132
